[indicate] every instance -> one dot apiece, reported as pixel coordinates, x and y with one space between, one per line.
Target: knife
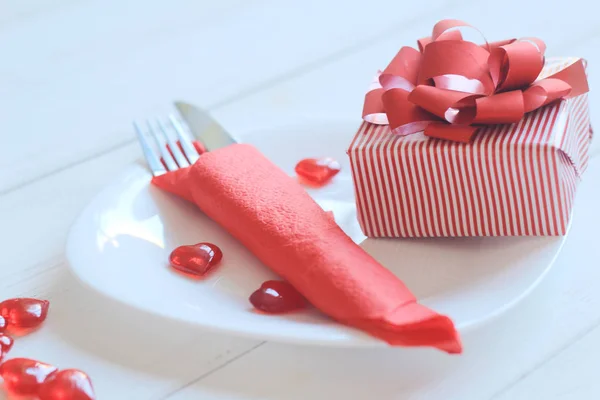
208 131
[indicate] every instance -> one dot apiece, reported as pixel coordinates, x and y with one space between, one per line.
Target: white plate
121 242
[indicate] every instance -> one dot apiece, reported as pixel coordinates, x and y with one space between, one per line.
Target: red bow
450 86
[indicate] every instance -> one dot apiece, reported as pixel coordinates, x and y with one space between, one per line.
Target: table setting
410 232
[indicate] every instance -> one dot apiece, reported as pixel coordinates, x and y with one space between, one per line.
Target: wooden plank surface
103 63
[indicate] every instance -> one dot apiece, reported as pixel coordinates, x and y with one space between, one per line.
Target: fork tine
152 159
186 143
164 151
175 151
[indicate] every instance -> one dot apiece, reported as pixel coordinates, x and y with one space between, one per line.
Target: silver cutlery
204 127
166 144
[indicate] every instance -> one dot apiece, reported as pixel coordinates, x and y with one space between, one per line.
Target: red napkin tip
414 325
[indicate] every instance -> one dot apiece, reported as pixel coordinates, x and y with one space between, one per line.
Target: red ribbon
450 87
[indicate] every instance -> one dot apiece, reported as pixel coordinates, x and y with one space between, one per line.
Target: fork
172 153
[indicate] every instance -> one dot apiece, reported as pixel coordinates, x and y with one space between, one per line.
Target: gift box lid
557 125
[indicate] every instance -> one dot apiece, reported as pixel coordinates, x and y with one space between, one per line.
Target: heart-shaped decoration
317 171
68 384
197 259
277 297
24 313
6 343
23 376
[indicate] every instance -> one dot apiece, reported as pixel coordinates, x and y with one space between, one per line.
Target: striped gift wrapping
511 180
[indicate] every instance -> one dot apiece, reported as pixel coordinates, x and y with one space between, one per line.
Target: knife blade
208 131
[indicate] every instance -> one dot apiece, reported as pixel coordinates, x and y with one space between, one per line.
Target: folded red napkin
276 219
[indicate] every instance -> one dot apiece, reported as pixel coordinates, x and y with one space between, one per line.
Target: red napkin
276 219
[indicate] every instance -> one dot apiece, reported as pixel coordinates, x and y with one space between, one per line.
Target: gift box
461 139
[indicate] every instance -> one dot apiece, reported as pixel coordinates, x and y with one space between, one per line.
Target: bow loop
450 85
402 71
515 65
502 108
455 58
455 107
544 92
409 118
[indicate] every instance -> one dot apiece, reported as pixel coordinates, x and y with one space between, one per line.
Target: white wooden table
74 73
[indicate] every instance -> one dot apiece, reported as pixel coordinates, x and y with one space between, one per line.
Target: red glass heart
197 259
23 376
68 384
3 324
277 297
24 313
6 343
317 171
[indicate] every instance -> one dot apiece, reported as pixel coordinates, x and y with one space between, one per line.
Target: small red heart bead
6 343
276 297
317 171
197 259
23 376
68 384
24 313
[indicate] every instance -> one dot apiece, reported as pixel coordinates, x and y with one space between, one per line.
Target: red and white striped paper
511 180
